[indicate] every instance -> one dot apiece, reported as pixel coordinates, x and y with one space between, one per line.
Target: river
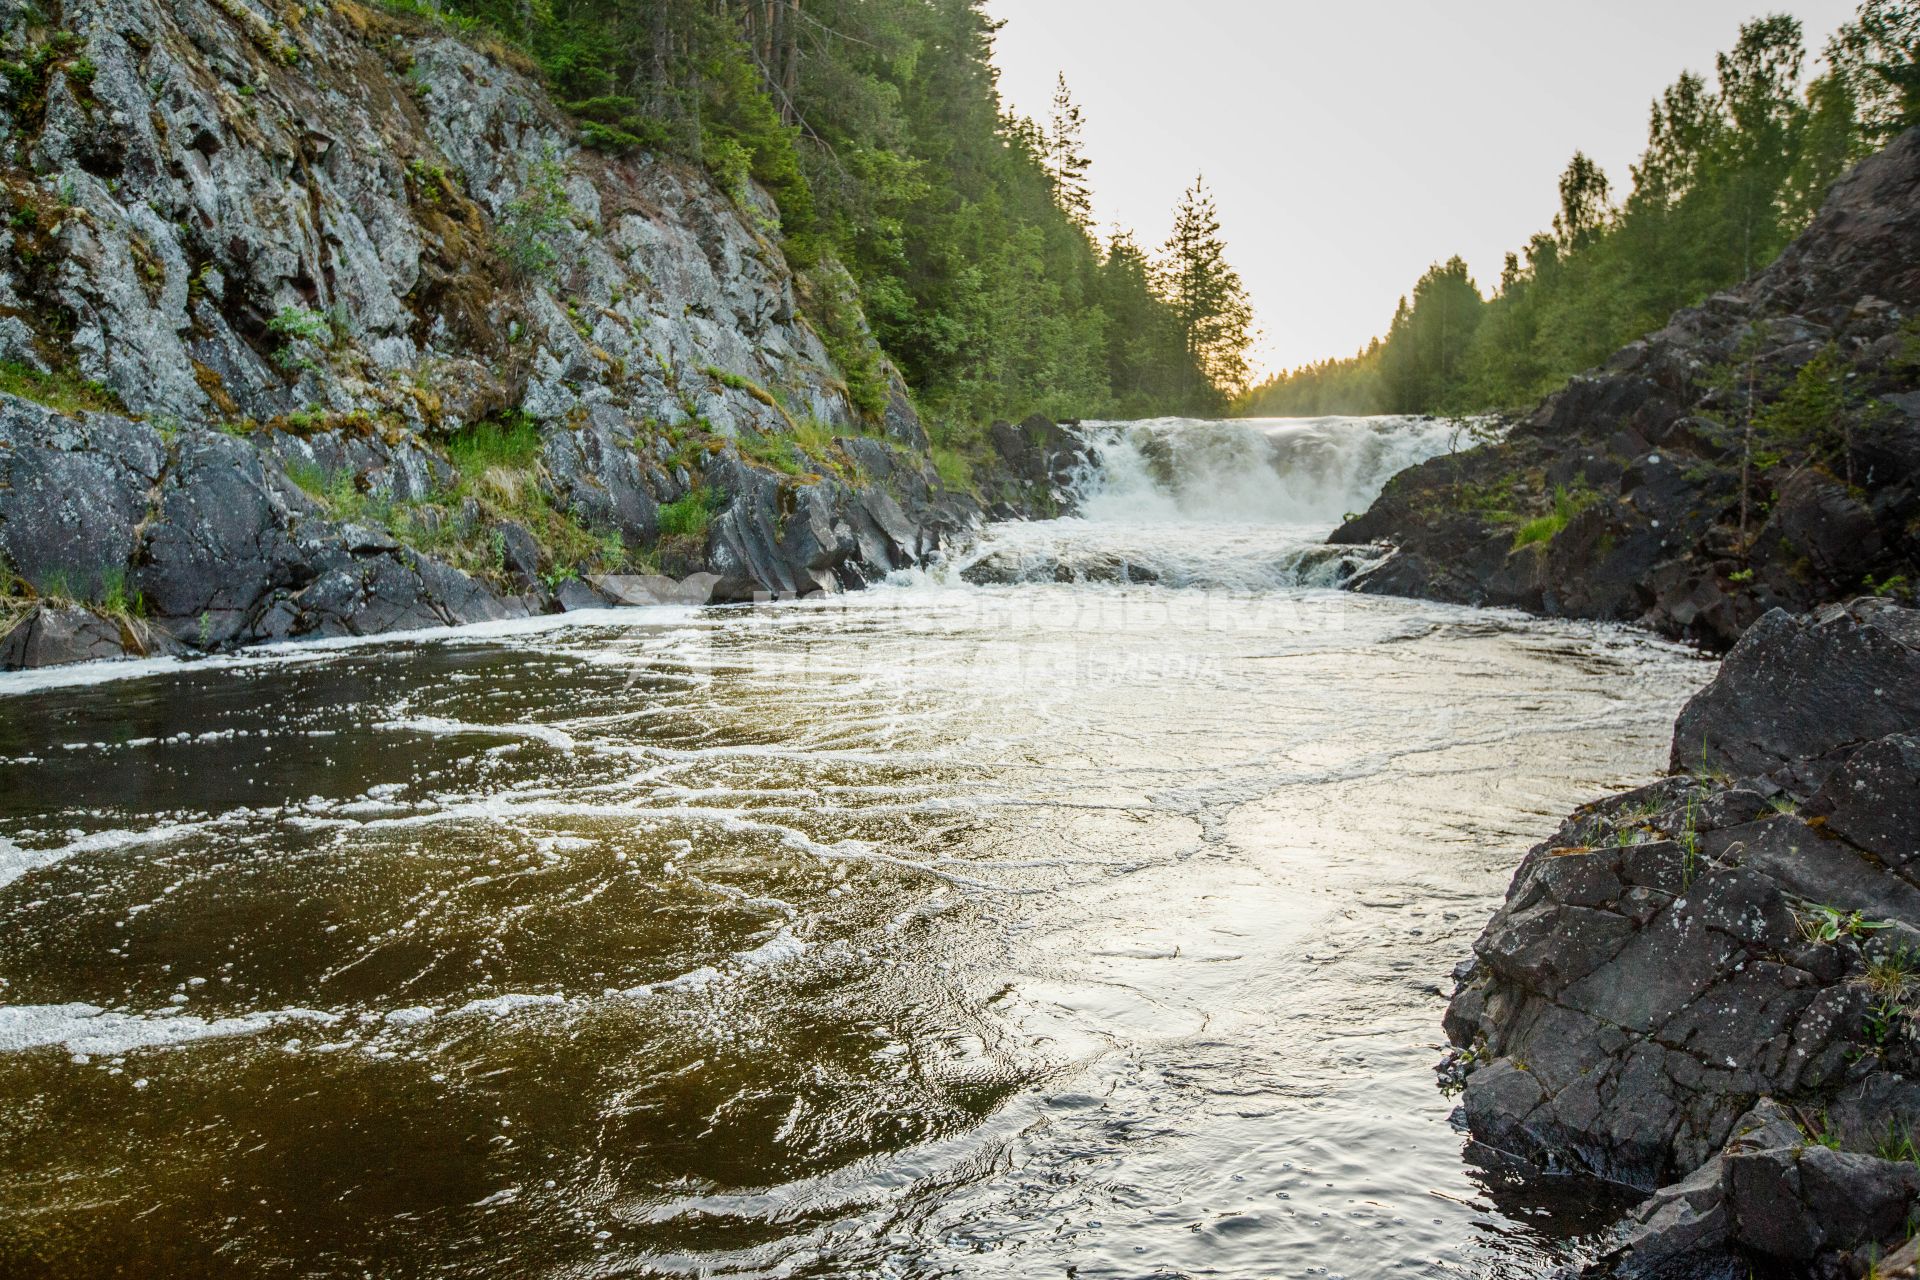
1084 906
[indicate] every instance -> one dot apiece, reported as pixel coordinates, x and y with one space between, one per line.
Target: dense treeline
1731 173
878 129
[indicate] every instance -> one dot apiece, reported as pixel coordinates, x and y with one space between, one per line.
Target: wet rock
1008 567
519 553
1771 1198
1037 461
574 595
1674 953
55 635
653 589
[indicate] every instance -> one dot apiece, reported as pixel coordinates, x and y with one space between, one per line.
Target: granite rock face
1669 519
1745 935
308 264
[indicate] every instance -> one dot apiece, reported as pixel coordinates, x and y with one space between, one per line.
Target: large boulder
73 494
1748 929
1796 695
56 635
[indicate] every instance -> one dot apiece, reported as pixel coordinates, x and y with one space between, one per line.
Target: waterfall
1242 505
1273 471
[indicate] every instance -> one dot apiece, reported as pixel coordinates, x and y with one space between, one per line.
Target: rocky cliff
1762 451
315 320
1710 985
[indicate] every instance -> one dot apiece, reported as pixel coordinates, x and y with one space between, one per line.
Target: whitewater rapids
1242 505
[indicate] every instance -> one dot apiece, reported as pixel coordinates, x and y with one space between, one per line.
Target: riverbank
1709 985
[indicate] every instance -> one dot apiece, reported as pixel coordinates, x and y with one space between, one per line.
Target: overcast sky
1350 145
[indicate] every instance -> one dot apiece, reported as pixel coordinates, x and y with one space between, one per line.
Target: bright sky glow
1351 145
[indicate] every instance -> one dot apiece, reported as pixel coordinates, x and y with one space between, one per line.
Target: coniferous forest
1733 169
966 233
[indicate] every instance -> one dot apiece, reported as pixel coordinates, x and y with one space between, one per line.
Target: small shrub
689 517
536 218
117 597
1897 1144
1810 413
1891 973
1829 924
303 333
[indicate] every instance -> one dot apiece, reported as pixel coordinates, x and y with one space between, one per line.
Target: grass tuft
61 392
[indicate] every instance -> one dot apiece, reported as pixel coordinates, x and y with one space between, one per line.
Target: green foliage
512 443
117 599
303 333
1829 924
834 308
776 452
956 470
536 219
61 391
1810 412
876 127
1731 172
496 481
1210 307
300 324
689 516
1891 973
1824 1135
1690 841
1566 505
1894 586
1897 1144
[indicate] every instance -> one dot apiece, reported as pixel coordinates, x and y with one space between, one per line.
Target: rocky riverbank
1759 452
1708 986
332 326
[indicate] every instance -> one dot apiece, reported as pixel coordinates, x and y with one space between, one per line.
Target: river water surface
1017 918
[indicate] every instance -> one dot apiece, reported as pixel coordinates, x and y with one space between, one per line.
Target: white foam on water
302 652
501 1006
90 1029
16 861
781 948
440 726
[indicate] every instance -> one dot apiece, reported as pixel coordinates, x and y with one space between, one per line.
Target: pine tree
1066 157
1209 302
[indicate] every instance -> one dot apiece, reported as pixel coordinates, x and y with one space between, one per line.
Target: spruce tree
1066 156
1209 301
